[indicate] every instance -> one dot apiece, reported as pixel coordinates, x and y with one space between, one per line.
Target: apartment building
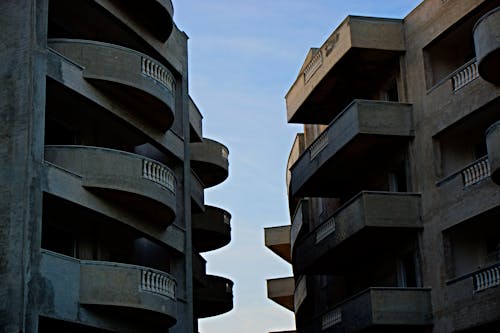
394 184
103 169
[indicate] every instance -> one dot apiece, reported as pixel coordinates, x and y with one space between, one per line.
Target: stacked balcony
214 297
351 61
359 136
144 186
211 229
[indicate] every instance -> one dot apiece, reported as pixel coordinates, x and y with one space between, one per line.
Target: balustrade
159 174
465 75
313 66
331 318
476 172
157 282
318 145
325 229
487 278
158 73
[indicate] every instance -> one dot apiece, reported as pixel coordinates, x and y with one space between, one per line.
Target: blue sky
243 57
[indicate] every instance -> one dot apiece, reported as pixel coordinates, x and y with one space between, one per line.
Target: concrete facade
393 185
103 169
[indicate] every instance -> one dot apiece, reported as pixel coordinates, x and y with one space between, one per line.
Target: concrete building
394 184
103 167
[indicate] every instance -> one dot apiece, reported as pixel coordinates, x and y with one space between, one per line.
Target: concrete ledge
281 291
277 239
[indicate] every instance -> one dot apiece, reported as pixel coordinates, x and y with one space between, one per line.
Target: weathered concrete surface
209 159
22 99
214 298
211 229
277 239
493 144
281 291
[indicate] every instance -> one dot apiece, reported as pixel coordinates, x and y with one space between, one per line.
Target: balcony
211 229
214 298
487 45
475 298
281 291
353 59
367 225
195 122
131 77
135 292
467 193
135 182
384 308
356 140
209 159
493 144
151 20
298 148
277 239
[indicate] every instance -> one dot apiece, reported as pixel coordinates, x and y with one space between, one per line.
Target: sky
244 55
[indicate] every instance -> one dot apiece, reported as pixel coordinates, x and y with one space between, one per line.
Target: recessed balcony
281 291
352 60
493 144
355 141
277 239
131 77
475 298
406 309
368 224
211 229
214 298
140 184
135 292
487 45
209 159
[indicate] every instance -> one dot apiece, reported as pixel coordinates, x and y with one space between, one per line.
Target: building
102 172
394 184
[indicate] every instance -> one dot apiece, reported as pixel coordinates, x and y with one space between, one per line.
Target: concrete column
22 104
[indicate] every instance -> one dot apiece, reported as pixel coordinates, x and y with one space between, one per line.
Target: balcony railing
487 278
158 283
331 318
313 65
157 72
464 75
476 172
159 174
325 229
318 145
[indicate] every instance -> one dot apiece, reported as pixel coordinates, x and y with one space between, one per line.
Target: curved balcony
132 77
487 44
128 287
382 308
493 144
195 122
136 292
367 224
355 141
281 291
211 230
214 298
147 18
137 183
209 159
360 52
